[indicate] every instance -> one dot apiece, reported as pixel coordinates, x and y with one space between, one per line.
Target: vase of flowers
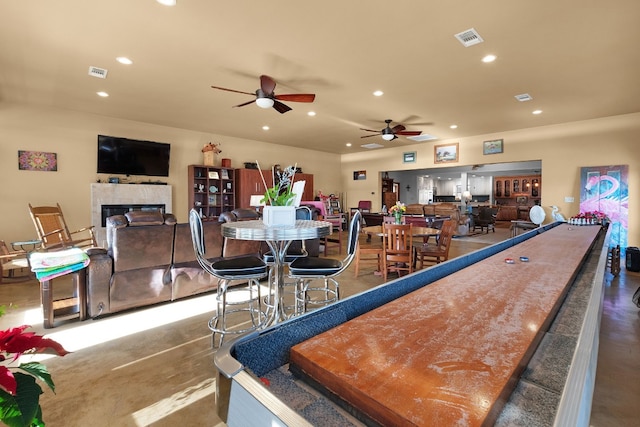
19 391
279 200
397 210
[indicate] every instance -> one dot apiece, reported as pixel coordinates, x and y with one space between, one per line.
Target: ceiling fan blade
267 84
245 103
368 136
297 97
370 130
280 107
409 132
397 128
233 90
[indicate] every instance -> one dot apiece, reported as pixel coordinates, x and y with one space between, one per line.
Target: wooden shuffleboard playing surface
451 352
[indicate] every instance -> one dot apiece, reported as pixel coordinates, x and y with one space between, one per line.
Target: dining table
278 238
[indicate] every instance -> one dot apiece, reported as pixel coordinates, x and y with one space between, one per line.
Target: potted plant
19 391
279 200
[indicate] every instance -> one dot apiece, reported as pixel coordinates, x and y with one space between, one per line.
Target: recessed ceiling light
348 144
311 113
378 93
489 58
102 94
124 60
167 2
536 112
265 127
453 127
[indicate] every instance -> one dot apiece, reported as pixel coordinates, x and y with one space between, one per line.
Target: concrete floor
154 366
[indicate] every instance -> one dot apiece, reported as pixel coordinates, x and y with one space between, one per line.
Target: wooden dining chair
397 249
368 253
440 251
52 229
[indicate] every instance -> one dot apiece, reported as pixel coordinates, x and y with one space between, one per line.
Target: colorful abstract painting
605 189
37 161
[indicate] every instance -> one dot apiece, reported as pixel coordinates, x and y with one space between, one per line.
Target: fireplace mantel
125 194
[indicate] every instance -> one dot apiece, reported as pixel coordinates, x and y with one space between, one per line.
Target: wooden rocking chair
53 231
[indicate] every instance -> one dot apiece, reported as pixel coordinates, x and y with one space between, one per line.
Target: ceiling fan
390 133
266 98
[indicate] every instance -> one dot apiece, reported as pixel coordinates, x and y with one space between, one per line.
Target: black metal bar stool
249 268
306 270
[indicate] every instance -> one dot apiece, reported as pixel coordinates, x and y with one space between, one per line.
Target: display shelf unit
211 190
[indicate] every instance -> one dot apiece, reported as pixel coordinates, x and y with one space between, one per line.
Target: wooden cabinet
249 182
211 190
308 193
517 190
389 196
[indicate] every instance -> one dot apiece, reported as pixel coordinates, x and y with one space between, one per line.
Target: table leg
279 249
46 299
79 283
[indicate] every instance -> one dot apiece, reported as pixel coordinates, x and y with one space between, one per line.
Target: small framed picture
445 153
224 174
213 175
493 147
359 175
409 157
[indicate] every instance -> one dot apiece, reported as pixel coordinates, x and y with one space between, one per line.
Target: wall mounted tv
132 157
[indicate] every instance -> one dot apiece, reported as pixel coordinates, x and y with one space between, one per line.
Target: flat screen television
132 157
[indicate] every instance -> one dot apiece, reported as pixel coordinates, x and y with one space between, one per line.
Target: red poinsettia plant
19 392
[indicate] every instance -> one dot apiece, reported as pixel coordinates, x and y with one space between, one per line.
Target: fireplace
110 210
115 199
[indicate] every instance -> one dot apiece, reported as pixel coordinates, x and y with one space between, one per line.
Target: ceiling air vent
372 145
101 73
469 37
422 137
524 97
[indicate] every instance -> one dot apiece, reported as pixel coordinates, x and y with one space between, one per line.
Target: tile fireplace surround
125 194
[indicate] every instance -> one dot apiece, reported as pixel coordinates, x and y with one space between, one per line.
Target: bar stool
306 270
249 268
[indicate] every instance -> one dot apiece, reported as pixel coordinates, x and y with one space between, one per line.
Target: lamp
466 195
264 102
255 201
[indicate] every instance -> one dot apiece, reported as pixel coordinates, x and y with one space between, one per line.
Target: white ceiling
579 59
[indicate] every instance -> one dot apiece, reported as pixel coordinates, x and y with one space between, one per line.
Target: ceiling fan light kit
264 102
266 98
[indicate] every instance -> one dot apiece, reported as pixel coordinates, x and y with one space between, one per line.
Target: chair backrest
398 242
303 212
446 235
197 238
52 229
390 219
487 214
364 205
354 231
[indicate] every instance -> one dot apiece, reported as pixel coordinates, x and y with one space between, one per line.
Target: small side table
65 306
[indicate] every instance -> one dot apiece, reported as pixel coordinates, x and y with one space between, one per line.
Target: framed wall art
446 153
359 175
493 147
409 157
37 161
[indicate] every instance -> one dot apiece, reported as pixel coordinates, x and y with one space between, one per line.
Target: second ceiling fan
266 98
390 133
